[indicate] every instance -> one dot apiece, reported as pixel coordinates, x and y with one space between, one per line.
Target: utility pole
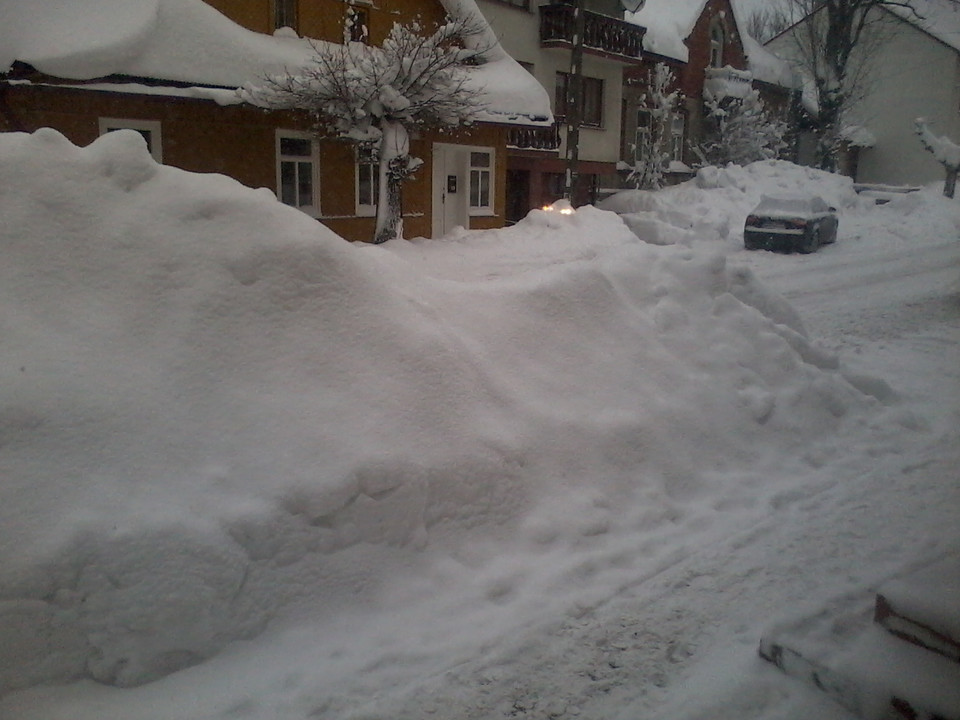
574 109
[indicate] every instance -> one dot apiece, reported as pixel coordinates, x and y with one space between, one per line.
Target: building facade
913 70
540 37
190 115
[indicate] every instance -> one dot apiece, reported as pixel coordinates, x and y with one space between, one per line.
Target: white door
451 165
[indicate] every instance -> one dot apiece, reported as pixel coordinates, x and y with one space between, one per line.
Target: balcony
534 138
602 35
727 82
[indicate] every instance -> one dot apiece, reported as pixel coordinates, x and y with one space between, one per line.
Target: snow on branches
418 76
740 130
652 152
415 77
945 151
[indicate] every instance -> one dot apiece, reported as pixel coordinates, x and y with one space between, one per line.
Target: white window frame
155 145
366 209
314 208
486 209
678 131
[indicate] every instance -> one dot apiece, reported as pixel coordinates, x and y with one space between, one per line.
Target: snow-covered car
790 224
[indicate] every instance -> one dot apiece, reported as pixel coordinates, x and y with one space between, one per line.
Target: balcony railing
601 33
534 138
727 82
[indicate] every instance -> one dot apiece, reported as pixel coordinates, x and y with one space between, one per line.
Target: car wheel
810 242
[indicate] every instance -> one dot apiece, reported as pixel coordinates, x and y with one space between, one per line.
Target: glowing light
560 206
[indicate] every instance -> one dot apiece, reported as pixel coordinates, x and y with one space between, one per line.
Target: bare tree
946 152
418 77
834 46
767 21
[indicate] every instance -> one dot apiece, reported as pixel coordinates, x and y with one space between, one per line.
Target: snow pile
714 204
216 414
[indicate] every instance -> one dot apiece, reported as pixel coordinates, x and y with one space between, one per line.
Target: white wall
519 33
916 76
911 75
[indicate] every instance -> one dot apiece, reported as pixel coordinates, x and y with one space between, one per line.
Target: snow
252 470
935 604
188 41
668 24
944 150
939 18
764 65
178 40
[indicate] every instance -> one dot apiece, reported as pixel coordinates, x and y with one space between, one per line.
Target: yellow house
170 70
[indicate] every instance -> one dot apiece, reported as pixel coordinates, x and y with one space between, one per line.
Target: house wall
698 43
519 33
914 76
324 19
240 141
689 76
910 75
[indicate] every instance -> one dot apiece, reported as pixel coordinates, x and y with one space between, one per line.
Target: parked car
790 224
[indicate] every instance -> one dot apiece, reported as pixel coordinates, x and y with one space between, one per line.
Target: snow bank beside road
714 205
214 410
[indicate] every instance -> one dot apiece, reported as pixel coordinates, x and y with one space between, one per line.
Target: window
357 24
297 165
149 129
285 14
716 44
677 128
554 184
368 180
591 109
481 182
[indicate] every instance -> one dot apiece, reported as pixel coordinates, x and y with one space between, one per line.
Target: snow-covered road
848 296
680 643
554 471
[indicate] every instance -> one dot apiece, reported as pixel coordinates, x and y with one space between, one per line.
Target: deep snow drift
218 420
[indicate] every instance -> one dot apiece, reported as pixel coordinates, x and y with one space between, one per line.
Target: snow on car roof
791 205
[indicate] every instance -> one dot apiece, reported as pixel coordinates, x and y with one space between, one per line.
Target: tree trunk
394 159
950 184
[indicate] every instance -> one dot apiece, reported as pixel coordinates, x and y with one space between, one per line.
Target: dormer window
716 44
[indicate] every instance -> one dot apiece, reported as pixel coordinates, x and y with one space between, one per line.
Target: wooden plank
840 688
913 631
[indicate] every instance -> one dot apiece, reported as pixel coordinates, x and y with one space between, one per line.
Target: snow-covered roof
188 41
179 40
767 67
939 18
668 24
